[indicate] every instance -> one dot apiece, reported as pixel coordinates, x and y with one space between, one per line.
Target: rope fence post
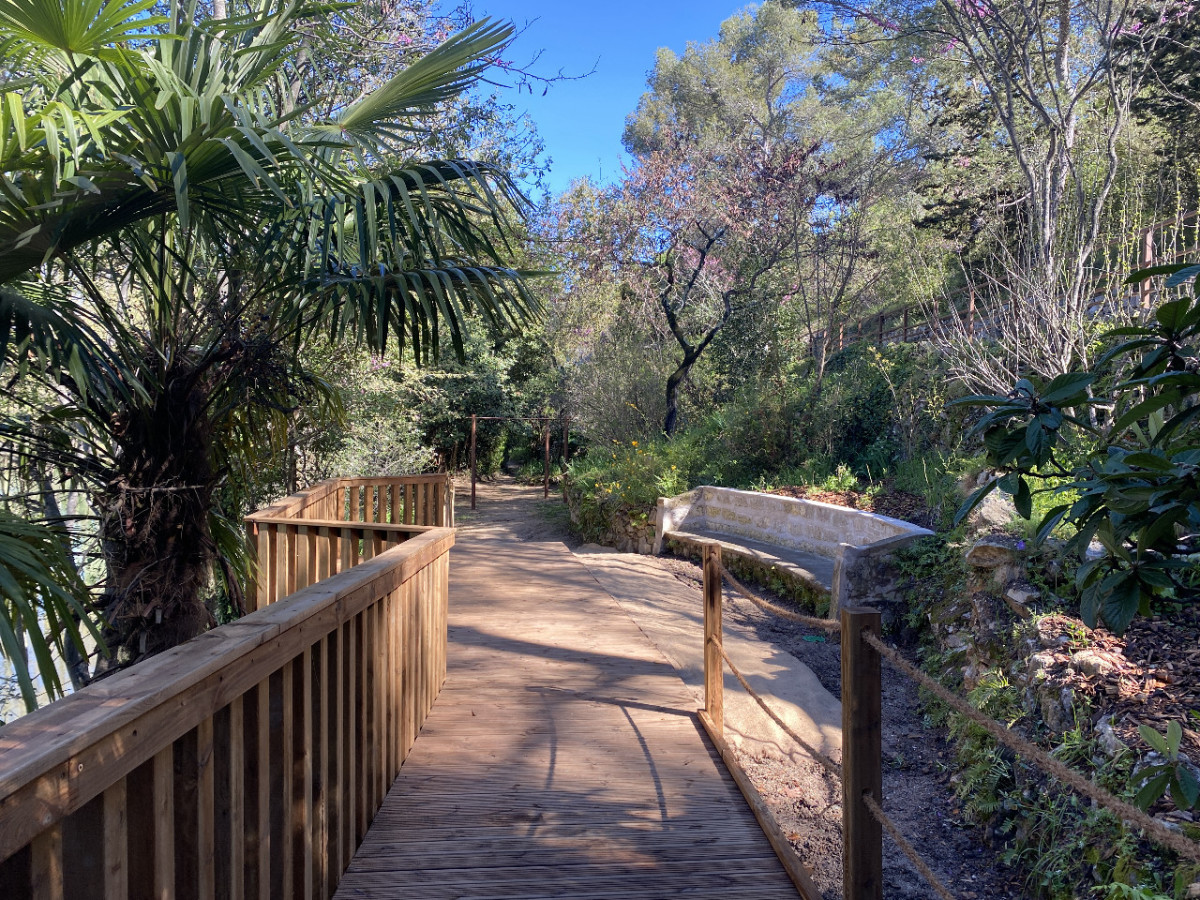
862 756
546 461
714 670
474 423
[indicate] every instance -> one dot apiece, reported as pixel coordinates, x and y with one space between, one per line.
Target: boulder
992 552
995 511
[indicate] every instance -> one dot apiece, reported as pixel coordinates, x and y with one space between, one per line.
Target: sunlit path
561 759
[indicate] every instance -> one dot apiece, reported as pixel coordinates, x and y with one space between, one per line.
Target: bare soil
805 801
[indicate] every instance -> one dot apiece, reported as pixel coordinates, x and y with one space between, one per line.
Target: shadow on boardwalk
562 758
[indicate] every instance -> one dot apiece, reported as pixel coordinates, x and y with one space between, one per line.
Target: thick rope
829 625
828 764
1152 827
908 849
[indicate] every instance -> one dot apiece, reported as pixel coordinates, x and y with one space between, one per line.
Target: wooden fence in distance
248 762
337 524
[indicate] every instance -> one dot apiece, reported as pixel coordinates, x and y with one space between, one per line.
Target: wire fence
864 819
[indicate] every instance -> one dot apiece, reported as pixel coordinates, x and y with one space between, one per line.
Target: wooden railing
337 524
248 762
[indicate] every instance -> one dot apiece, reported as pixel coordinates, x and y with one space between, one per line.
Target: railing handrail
294 505
81 744
341 523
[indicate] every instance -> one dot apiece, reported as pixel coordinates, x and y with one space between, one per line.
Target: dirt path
804 800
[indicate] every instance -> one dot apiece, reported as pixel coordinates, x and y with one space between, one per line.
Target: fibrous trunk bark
157 541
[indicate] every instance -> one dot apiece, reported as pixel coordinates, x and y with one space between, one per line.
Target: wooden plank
303 559
302 776
256 714
561 760
714 665
337 757
83 850
800 876
163 828
320 769
206 810
116 842
355 738
288 573
46 871
229 771
862 756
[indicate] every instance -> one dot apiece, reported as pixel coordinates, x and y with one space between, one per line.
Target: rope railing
864 820
826 763
831 625
907 848
1126 811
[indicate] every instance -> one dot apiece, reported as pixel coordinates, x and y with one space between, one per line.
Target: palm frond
40 604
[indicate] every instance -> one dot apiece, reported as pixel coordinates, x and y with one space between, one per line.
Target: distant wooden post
971 310
906 324
474 422
862 757
546 461
880 340
714 666
566 440
841 336
1147 261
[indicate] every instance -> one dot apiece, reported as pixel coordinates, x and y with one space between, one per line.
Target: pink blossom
404 40
918 60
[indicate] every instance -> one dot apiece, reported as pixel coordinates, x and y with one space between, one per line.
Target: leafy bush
1137 488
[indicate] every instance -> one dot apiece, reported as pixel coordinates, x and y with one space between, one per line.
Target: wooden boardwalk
562 758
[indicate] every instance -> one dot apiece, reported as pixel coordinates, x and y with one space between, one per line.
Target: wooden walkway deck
562 758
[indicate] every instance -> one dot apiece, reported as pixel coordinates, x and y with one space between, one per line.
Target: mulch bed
897 504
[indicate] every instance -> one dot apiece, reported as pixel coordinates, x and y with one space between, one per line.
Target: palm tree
170 236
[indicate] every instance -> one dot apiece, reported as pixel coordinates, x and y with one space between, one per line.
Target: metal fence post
862 756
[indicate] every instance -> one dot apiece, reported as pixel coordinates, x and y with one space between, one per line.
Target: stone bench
836 552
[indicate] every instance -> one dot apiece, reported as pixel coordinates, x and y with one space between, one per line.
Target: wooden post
906 324
880 341
1147 261
566 441
862 757
841 336
546 462
474 422
714 666
971 310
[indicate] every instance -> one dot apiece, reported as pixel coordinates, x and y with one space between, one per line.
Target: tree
1137 492
172 234
1050 86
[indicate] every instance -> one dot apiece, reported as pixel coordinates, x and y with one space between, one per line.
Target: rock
1106 738
1039 663
1193 891
996 510
1018 595
995 561
992 552
1093 662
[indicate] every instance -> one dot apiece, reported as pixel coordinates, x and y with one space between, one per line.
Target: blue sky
581 121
